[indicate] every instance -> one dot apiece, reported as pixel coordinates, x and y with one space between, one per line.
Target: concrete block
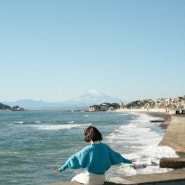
172 162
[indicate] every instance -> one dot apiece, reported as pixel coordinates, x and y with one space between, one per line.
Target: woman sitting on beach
96 158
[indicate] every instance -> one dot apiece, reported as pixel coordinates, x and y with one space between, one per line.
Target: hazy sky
54 50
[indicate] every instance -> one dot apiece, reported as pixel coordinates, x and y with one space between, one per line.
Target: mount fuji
92 97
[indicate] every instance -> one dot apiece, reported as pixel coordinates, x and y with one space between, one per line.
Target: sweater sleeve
116 158
75 161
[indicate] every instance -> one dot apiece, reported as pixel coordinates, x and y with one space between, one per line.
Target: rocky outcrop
174 136
17 108
104 107
4 107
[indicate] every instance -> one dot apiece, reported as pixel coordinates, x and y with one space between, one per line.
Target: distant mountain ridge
91 97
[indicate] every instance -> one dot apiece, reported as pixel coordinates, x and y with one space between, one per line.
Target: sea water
33 142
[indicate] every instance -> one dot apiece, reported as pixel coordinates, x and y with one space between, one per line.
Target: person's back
101 157
96 159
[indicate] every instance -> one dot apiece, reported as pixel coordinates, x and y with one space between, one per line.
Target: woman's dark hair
92 134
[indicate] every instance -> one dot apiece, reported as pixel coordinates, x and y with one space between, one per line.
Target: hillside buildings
175 105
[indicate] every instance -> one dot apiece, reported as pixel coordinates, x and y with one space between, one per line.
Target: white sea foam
142 143
18 122
56 127
71 122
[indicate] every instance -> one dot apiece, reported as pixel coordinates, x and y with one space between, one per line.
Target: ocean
33 142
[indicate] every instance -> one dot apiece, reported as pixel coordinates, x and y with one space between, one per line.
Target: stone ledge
172 162
170 178
173 177
174 136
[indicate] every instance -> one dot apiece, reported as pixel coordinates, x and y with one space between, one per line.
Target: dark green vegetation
4 107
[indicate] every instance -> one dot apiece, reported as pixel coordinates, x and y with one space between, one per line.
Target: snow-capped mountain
94 97
91 97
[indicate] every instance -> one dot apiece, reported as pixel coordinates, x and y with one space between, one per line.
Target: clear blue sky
54 50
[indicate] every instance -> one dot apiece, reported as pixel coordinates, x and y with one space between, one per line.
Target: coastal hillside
4 107
106 107
177 103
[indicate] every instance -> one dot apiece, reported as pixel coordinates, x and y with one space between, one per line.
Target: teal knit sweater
95 158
